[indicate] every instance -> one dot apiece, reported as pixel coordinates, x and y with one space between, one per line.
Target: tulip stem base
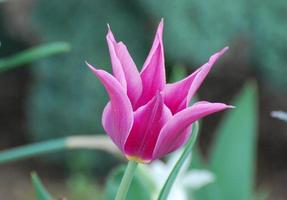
126 180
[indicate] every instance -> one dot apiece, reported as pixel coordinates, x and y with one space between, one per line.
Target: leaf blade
33 54
233 153
40 191
174 172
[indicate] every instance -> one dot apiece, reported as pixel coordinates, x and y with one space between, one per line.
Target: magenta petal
116 63
132 75
148 121
118 114
173 135
177 101
202 73
123 64
153 71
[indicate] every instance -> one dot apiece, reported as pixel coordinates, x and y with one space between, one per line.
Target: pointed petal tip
224 106
110 36
94 69
160 28
224 50
109 29
216 56
87 63
220 106
230 106
91 66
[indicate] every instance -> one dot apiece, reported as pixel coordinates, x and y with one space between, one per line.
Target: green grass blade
31 150
88 142
40 190
174 172
33 54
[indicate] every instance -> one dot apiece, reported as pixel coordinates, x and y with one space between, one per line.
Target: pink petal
118 114
133 79
148 121
173 135
199 78
153 71
116 63
177 101
123 62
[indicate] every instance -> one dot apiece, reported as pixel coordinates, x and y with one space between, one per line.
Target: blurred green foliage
139 189
232 157
82 187
269 37
195 29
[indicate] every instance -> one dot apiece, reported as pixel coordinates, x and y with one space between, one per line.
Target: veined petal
118 114
116 63
153 71
148 121
173 135
121 59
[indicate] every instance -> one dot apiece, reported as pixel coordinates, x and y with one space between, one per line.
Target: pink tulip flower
146 117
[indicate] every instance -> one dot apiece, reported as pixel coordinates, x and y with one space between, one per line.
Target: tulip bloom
146 117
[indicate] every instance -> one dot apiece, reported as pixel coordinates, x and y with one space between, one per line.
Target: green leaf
30 150
232 157
92 142
33 54
174 172
40 190
139 189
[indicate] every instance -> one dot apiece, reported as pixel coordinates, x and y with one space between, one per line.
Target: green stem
126 180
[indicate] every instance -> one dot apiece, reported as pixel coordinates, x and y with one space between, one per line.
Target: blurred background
59 96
